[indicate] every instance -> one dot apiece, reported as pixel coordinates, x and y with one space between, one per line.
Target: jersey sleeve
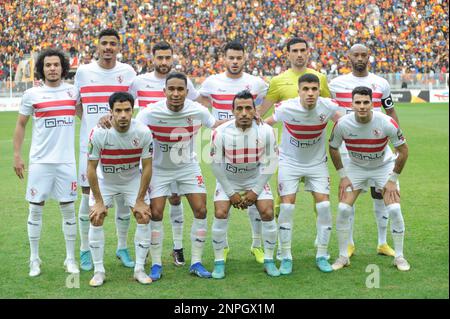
332 88
142 116
272 92
26 107
386 98
94 145
332 106
147 146
207 119
394 132
324 89
261 92
336 137
193 94
216 151
205 89
278 112
133 88
77 80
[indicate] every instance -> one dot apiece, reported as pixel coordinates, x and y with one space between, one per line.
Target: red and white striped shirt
119 154
367 143
242 153
304 131
174 132
342 86
222 89
96 85
148 88
53 111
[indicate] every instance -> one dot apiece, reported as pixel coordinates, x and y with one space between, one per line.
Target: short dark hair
295 40
163 45
120 97
308 78
65 64
233 45
362 90
177 75
243 95
108 32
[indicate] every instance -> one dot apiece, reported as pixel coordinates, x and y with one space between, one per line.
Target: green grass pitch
424 187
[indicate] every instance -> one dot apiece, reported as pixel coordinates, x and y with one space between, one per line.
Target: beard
163 70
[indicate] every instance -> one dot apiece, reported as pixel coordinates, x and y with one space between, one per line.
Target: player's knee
85 190
200 212
157 215
142 220
221 213
98 222
175 200
375 194
266 214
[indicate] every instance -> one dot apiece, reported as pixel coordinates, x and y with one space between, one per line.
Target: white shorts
57 181
128 197
188 180
220 194
316 178
82 169
363 178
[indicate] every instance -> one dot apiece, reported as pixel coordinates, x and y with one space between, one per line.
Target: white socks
352 223
343 227
177 220
219 234
97 247
69 226
285 224
84 222
198 238
269 235
34 226
156 241
382 218
141 245
255 222
397 227
323 225
123 215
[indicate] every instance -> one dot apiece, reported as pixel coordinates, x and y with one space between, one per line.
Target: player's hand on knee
141 211
105 121
344 184
250 198
19 167
236 200
391 194
97 213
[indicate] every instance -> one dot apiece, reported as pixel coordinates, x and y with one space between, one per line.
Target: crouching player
119 151
244 159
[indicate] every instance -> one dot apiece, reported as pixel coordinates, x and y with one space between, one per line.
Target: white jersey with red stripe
367 143
342 86
304 131
119 154
242 153
174 132
96 85
221 89
148 88
53 111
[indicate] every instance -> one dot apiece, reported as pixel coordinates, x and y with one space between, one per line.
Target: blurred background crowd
404 36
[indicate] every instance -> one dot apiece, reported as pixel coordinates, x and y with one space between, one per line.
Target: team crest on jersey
376 132
33 191
189 120
120 78
322 117
135 142
374 86
69 93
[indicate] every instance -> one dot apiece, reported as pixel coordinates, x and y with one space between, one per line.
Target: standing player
218 91
303 158
244 159
148 89
341 89
52 167
174 123
366 135
285 85
96 82
119 150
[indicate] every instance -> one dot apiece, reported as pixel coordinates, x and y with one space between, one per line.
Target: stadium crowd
404 36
